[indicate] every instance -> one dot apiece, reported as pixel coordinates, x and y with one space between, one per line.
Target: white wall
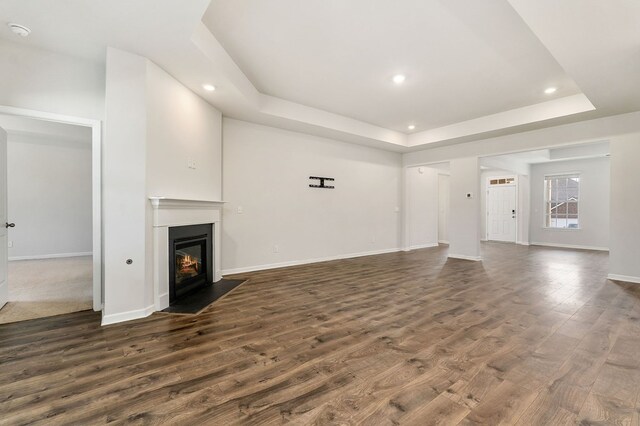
181 127
464 229
593 207
49 196
153 125
266 172
124 186
624 255
46 81
443 208
421 207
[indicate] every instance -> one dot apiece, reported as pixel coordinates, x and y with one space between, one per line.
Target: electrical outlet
10 244
276 249
191 164
240 210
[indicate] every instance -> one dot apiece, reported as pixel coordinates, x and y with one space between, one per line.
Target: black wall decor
322 185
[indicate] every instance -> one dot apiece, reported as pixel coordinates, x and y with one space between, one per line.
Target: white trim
96 182
305 262
626 278
546 202
50 256
163 300
422 246
128 316
569 246
47 116
522 243
443 242
170 212
183 203
465 257
548 228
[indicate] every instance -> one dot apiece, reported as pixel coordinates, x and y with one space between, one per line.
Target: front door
4 226
501 209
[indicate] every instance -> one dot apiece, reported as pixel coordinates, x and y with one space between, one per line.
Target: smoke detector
20 30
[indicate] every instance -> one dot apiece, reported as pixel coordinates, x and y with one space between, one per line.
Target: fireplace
190 259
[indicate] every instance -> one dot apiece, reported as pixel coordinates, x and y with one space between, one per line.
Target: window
562 195
505 181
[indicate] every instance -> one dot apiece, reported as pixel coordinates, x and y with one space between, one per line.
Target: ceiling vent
20 30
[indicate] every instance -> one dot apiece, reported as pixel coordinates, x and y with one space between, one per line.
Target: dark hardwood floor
529 336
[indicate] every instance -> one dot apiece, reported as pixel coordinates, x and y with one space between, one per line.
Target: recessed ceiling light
550 90
411 127
209 87
399 78
18 29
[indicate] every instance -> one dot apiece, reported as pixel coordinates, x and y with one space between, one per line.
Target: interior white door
4 285
501 209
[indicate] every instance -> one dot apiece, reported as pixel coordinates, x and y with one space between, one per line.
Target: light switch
240 210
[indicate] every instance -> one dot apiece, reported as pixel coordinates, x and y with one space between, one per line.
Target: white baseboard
443 242
570 246
465 257
50 256
163 301
627 278
483 240
421 246
304 262
127 316
522 243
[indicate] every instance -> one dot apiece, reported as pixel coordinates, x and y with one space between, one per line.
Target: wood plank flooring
530 336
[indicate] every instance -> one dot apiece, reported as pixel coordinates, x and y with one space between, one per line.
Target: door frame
96 182
486 203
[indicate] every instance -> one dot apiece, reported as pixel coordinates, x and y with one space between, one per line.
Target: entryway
501 209
49 215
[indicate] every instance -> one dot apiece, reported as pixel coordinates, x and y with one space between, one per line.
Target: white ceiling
462 59
474 69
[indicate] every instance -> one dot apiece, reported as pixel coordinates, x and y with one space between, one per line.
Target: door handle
9 225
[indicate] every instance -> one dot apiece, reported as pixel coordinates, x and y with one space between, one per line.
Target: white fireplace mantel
169 212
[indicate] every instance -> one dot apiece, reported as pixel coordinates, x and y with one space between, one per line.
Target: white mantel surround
170 212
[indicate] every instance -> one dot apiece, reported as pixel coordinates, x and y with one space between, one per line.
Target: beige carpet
41 288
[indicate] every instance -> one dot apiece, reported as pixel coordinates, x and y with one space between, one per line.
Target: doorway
50 207
501 209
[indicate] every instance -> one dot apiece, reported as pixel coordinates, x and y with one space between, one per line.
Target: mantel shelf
162 202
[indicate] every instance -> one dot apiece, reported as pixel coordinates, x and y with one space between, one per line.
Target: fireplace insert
190 259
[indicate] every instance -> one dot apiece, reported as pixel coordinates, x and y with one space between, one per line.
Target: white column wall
124 191
624 238
464 225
